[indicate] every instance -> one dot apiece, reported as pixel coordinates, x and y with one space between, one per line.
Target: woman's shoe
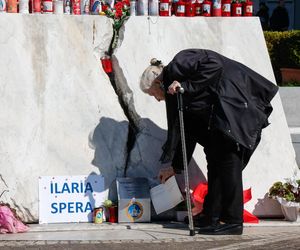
202 220
222 229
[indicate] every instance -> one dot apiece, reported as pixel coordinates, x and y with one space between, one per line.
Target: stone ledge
139 226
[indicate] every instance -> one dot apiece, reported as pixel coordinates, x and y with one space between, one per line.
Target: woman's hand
165 173
174 87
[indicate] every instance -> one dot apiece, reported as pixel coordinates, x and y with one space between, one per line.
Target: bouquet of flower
119 12
288 191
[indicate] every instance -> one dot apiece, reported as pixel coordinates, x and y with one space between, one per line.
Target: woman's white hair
150 74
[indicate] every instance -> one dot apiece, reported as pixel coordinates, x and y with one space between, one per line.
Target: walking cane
180 92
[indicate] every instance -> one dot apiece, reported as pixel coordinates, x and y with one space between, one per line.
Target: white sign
70 198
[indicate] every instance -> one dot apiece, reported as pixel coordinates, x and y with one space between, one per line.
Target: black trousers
225 186
224 169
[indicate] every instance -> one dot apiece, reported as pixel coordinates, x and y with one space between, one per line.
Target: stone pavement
268 234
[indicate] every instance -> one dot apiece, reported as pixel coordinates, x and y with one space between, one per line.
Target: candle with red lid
206 8
180 8
216 8
198 7
248 8
236 8
190 8
12 6
106 64
226 8
76 10
164 8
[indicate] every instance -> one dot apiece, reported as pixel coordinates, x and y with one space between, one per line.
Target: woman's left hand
165 173
173 88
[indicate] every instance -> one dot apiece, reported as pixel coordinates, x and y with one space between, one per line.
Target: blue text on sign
73 187
71 207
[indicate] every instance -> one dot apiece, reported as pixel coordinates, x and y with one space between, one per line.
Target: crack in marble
125 97
124 93
94 31
25 213
2 179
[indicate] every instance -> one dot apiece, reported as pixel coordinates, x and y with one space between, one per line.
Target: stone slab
295 138
291 104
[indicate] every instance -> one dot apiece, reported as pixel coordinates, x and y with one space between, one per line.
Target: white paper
166 196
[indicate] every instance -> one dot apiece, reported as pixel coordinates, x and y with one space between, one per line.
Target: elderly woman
226 106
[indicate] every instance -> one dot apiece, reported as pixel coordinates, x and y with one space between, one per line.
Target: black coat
238 98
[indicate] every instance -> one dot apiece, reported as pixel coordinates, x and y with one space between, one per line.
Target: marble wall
60 114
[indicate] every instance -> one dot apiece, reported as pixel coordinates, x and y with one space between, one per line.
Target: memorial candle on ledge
67 7
2 6
164 7
180 8
226 8
198 7
217 8
247 8
24 6
12 6
142 8
58 7
36 6
85 7
133 11
153 7
236 9
106 64
76 7
206 8
190 8
47 6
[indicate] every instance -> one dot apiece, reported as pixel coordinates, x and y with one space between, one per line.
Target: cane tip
192 232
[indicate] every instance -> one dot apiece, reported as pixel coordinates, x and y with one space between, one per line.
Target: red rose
119 6
104 8
118 13
126 2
